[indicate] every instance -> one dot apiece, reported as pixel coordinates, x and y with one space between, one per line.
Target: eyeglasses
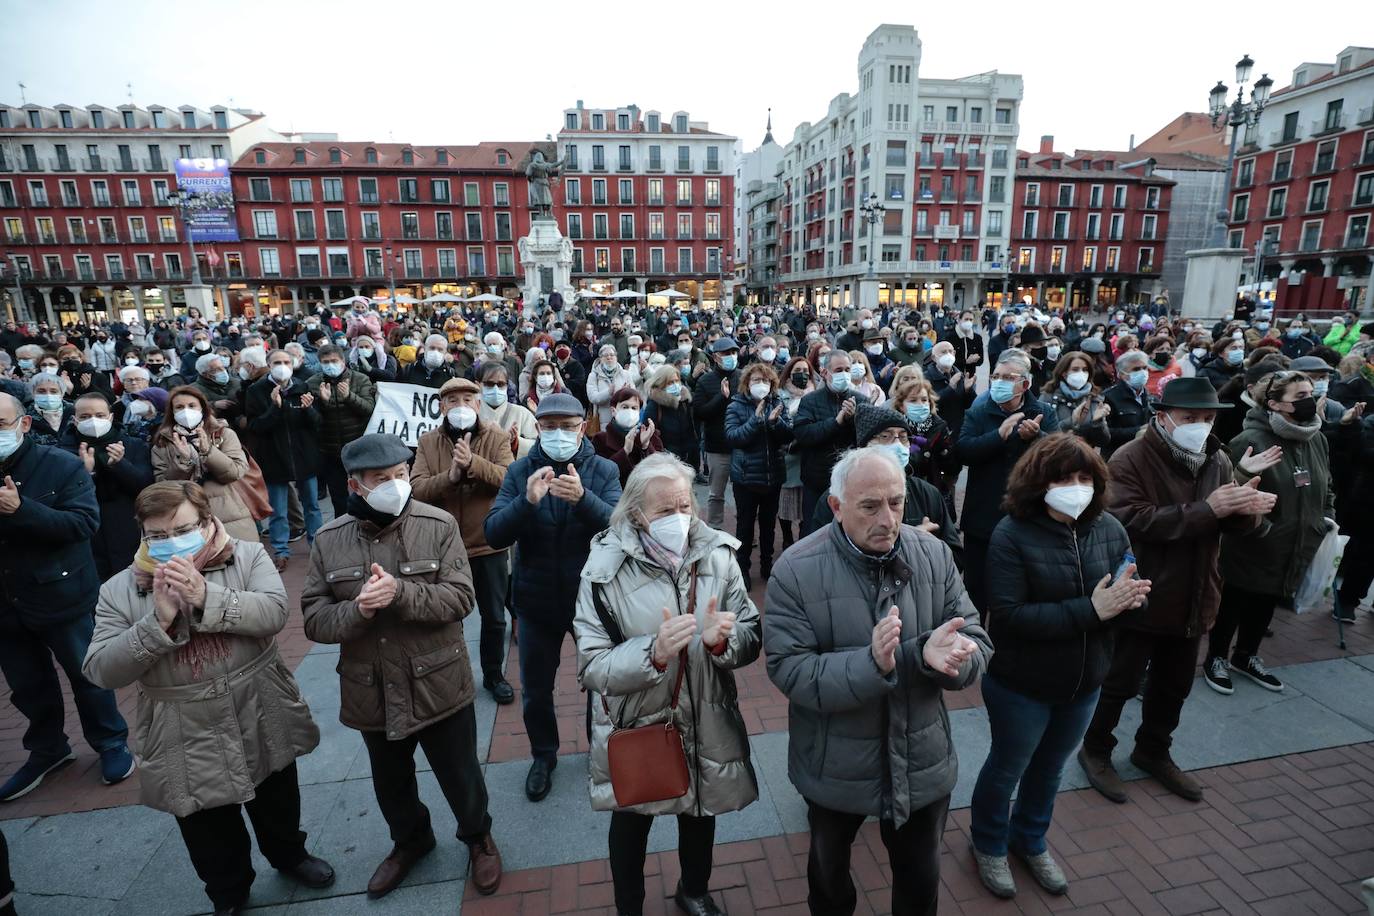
10 424
166 535
888 437
567 426
1002 377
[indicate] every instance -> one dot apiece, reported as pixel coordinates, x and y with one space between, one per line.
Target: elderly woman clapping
663 618
193 620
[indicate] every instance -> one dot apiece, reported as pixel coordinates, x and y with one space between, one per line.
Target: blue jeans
279 528
541 648
26 657
1031 741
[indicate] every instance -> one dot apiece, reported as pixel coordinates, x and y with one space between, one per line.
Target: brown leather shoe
485 864
1167 773
1102 776
396 866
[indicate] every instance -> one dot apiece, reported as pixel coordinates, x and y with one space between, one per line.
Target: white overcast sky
458 71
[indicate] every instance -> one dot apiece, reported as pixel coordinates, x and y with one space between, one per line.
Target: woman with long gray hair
663 602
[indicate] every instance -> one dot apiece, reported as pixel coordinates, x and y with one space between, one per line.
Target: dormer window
570 121
300 156
680 124
260 157
97 119
221 119
35 118
598 121
159 119
127 118
441 156
502 158
622 121
188 120
65 116
335 156
407 157
370 155
652 124
1299 78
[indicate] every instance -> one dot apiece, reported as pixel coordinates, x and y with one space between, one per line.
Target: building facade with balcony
85 217
754 171
647 199
1302 195
939 155
322 221
1088 229
762 242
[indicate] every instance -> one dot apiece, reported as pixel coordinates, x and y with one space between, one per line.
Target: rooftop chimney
1046 144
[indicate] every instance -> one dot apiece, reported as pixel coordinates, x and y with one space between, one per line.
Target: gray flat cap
1310 364
372 451
724 344
1092 345
559 405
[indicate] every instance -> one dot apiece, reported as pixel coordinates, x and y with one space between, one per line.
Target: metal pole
190 242
1219 232
1259 268
19 304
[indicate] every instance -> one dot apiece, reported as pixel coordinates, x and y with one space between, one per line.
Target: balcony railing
126 165
30 164
61 164
1329 124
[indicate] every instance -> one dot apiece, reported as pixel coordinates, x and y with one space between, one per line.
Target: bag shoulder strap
617 635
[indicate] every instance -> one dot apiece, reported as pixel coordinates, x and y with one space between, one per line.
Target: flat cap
372 451
1092 345
1310 364
559 405
724 344
459 384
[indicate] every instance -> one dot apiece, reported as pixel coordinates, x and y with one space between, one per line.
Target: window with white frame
265 224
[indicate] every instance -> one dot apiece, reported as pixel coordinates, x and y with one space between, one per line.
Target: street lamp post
390 276
1238 115
872 210
185 201
19 304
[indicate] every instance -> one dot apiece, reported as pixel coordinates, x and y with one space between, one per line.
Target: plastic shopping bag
1315 589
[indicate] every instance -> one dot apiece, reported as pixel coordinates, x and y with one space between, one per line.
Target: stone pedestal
868 293
546 258
199 297
1209 289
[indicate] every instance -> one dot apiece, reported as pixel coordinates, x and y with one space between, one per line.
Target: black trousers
755 504
332 477
217 839
1248 612
975 572
450 746
1172 662
6 882
491 582
1356 571
913 851
629 840
810 496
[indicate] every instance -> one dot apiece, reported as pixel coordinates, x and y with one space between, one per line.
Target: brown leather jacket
408 666
1174 533
469 500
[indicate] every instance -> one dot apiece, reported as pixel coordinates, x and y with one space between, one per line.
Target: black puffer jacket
677 427
820 439
1130 412
758 445
709 404
288 445
1051 645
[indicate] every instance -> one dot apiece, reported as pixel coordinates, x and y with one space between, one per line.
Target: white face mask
1077 379
461 417
1070 500
93 427
141 408
1191 436
544 382
281 372
626 417
866 323
944 360
434 358
874 349
966 326
671 531
1199 352
389 498
768 354
1052 352
188 417
759 390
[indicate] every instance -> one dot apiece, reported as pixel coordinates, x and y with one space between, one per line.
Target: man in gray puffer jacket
866 622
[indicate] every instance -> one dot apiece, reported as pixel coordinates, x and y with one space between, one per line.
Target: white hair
493 337
607 349
129 372
203 363
850 461
658 466
1131 356
1013 356
439 339
255 357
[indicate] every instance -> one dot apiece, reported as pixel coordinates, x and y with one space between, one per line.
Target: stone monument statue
540 173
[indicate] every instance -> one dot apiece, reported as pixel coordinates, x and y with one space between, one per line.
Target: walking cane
1336 612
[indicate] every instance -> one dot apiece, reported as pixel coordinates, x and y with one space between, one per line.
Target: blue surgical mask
1295 332
332 370
182 545
1235 357
902 452
784 354
918 413
47 401
1261 326
558 444
1137 378
9 442
222 377
493 397
839 383
728 363
674 389
1320 387
1002 390
26 364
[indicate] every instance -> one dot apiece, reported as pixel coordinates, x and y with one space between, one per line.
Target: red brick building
648 201
325 220
1303 186
1087 228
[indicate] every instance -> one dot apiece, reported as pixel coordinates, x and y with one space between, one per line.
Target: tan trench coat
207 741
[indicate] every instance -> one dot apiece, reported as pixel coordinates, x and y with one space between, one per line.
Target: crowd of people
1057 508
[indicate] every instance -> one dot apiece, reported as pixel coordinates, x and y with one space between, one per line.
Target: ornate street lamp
1239 115
185 201
872 210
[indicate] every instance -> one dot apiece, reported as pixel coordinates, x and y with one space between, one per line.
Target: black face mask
1305 409
800 379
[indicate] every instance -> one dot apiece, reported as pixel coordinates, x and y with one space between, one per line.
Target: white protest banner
408 411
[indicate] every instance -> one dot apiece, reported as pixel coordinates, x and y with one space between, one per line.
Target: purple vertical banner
210 217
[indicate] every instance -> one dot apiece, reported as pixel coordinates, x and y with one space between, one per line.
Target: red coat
610 443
